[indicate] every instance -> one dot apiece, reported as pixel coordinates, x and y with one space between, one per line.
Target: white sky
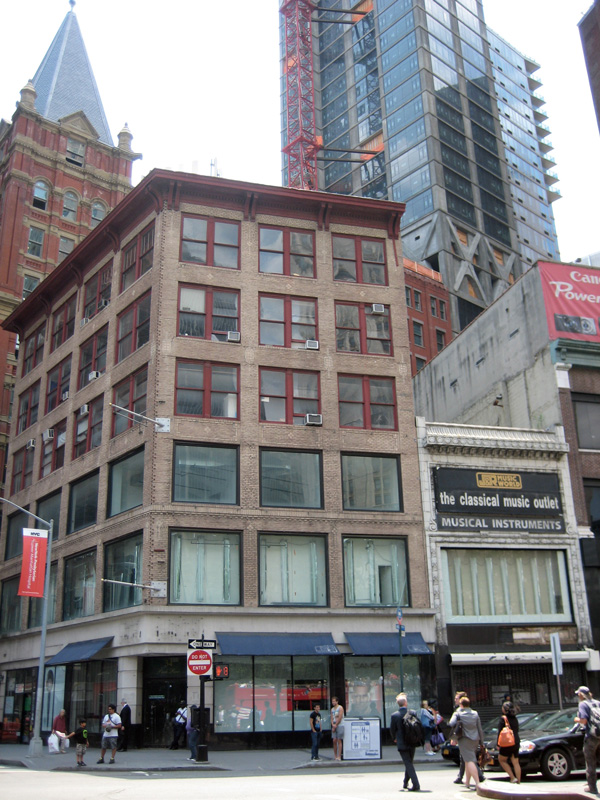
198 80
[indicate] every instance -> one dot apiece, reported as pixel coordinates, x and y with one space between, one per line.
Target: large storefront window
36 603
292 570
371 483
290 479
205 568
375 571
83 689
126 483
123 562
526 586
372 684
80 586
271 693
10 607
17 719
205 474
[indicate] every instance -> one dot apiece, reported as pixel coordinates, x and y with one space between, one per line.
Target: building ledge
455 437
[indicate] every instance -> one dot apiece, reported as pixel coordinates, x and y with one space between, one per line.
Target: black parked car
551 743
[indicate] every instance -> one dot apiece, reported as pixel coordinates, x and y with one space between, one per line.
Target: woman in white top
337 727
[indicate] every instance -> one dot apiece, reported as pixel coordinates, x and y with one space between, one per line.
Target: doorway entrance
165 686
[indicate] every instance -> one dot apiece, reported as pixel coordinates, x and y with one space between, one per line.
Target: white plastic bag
53 744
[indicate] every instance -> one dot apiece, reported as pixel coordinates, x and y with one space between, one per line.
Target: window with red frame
208 313
63 322
287 321
287 395
359 260
137 258
57 384
53 452
92 356
22 473
34 349
130 394
133 327
359 330
204 389
88 427
213 242
285 251
97 291
367 402
29 403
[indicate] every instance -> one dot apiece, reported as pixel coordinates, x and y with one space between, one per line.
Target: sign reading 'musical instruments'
470 500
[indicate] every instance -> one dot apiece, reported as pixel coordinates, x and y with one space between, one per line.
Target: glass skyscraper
418 101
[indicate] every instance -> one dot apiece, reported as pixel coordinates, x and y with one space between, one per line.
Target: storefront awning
79 651
277 644
386 644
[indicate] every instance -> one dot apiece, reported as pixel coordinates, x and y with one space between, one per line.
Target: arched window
40 195
70 204
98 213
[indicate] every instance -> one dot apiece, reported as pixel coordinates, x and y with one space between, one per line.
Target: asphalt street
349 782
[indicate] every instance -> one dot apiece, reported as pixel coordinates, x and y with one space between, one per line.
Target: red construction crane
302 143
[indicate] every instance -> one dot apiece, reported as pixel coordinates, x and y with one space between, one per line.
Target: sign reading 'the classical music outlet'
469 499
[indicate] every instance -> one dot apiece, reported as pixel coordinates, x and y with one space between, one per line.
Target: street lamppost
36 746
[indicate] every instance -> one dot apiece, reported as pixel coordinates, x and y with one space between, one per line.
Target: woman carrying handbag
509 743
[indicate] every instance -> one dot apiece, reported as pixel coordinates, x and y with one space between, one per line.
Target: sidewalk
165 760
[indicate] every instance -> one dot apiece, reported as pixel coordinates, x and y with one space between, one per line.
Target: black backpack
412 729
594 720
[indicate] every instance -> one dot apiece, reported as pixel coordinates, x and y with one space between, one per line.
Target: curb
525 793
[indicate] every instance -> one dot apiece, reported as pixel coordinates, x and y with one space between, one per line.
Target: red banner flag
35 544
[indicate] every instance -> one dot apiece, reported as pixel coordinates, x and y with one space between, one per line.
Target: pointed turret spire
65 82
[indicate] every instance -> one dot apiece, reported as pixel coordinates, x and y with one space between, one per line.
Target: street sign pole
400 627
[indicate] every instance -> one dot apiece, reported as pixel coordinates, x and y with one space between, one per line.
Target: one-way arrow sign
202 644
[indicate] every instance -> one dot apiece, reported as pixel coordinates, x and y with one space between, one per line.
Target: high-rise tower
418 101
60 174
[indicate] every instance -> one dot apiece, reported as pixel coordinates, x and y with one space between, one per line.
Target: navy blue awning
277 644
386 644
79 651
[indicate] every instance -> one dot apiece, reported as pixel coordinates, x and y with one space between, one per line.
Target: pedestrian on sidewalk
111 724
125 714
461 767
407 752
179 723
80 737
467 725
427 721
508 757
337 728
192 732
315 732
586 717
59 727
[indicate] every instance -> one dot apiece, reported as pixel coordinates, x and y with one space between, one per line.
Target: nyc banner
33 570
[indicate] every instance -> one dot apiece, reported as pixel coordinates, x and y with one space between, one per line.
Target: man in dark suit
125 715
407 753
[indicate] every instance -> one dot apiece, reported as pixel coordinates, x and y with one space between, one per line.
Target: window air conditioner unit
84 321
103 304
65 395
234 336
30 444
48 435
311 344
84 410
378 308
313 419
93 375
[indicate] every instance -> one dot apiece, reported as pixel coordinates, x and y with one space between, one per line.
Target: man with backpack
407 733
588 716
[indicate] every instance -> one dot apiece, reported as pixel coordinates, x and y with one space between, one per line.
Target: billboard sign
572 300
469 499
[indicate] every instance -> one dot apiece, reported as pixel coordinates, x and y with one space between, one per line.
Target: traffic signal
221 671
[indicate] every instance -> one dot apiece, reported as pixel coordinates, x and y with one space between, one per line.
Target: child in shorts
80 736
